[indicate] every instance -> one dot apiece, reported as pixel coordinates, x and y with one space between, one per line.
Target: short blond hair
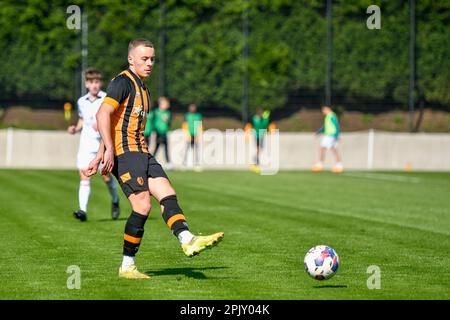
139 42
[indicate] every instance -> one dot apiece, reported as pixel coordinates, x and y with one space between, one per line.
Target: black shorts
132 170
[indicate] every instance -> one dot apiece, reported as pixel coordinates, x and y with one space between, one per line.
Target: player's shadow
330 286
122 218
195 273
110 219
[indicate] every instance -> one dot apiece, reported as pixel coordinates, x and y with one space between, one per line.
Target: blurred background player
193 129
331 131
261 125
88 106
162 119
149 128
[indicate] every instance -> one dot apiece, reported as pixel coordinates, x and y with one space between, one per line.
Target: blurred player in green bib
193 129
149 127
162 118
331 132
261 125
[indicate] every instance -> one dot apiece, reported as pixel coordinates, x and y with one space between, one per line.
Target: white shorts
328 142
84 158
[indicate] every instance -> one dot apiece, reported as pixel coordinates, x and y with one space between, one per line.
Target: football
321 262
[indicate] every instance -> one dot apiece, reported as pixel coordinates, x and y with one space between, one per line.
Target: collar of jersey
98 95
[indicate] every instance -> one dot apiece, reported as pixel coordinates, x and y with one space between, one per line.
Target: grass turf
399 222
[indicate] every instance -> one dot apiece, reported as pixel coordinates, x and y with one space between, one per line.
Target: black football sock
173 215
134 231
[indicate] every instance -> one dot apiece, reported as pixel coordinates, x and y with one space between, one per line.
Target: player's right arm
104 127
117 92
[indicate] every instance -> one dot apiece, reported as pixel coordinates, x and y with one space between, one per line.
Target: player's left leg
255 167
326 143
318 167
195 151
112 187
84 192
162 142
189 146
158 143
166 147
160 187
261 146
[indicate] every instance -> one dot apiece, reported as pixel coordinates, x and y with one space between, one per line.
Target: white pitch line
385 177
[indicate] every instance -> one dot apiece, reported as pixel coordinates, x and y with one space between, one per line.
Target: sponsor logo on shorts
140 180
125 177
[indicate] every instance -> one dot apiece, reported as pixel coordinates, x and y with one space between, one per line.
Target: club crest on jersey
139 110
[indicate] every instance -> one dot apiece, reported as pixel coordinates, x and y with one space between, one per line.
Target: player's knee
142 206
140 202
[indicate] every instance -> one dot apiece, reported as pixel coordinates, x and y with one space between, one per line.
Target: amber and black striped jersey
131 101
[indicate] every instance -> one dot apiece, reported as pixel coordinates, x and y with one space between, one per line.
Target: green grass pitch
397 221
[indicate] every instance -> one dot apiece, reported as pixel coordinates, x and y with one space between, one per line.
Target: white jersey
90 137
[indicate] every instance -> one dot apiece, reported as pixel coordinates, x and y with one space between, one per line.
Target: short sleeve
117 91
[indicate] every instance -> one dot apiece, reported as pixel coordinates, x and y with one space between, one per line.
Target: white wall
390 151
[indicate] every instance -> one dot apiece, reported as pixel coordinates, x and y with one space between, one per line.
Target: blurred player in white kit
90 139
